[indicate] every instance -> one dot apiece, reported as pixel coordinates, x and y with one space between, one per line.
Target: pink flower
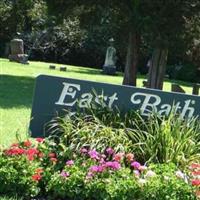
195 165
113 165
142 168
136 165
39 140
64 174
196 182
54 160
94 168
83 150
15 145
36 177
118 157
196 173
93 154
136 173
14 151
31 153
101 168
102 161
69 162
129 157
109 151
52 155
27 143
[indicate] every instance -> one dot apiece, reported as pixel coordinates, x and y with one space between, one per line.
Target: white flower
149 174
142 181
180 174
166 178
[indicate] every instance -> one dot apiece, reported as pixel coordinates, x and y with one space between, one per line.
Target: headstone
177 88
110 60
54 95
196 88
145 83
64 69
17 51
52 67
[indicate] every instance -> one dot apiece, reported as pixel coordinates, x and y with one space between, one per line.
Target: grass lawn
16 90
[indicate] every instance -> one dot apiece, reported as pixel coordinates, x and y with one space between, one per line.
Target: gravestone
145 83
52 67
17 51
54 95
196 88
64 69
110 60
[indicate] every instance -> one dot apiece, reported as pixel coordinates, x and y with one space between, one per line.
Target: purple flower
102 161
94 168
93 154
135 165
101 168
64 174
113 165
109 151
69 162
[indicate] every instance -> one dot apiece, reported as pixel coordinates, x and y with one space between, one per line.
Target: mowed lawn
16 91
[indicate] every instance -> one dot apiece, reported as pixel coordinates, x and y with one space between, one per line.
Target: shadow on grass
92 71
16 91
181 83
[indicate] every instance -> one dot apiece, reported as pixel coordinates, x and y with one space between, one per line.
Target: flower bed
45 168
105 156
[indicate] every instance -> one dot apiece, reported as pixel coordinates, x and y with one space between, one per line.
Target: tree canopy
142 30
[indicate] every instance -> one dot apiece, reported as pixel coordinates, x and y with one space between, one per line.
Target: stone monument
110 60
17 51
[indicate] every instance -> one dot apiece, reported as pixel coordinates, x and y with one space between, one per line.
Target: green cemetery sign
55 94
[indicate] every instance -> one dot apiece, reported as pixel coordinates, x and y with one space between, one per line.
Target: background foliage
79 33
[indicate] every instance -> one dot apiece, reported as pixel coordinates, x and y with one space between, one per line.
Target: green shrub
90 157
154 139
16 177
89 131
56 171
166 139
184 72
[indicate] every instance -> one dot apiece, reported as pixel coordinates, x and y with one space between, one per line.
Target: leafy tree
167 24
158 23
20 16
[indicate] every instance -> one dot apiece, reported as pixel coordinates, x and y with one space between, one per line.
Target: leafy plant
166 139
16 177
154 139
89 131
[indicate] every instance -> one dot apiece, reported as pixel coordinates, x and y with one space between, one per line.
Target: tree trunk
157 68
130 74
27 23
